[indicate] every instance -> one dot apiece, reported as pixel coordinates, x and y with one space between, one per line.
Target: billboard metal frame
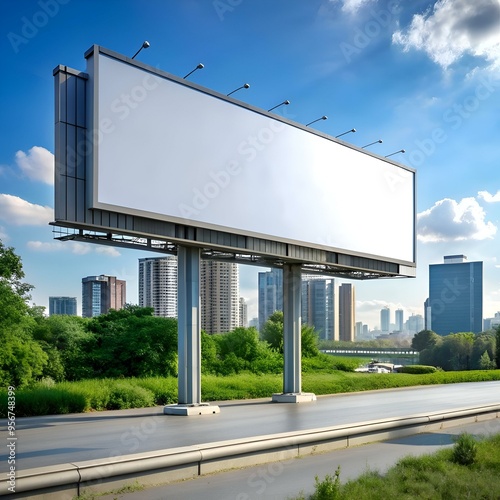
79 217
75 157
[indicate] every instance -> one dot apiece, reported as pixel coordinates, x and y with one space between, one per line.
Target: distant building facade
243 313
270 294
219 291
400 323
385 319
456 296
102 293
320 306
415 323
62 305
158 285
347 312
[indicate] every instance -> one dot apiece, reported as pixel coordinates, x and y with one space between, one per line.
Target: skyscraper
219 290
385 320
102 293
400 323
456 296
347 312
243 313
270 294
320 306
62 305
158 285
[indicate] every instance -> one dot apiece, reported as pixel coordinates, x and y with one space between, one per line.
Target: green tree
22 360
68 338
209 357
454 352
132 342
425 339
272 333
485 362
483 342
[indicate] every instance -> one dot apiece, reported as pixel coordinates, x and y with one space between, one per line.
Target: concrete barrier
66 481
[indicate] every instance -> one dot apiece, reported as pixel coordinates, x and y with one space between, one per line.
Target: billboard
166 149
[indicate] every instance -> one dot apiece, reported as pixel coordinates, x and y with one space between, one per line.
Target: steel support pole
292 332
292 376
189 337
189 328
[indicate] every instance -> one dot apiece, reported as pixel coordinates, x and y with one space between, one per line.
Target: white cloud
109 251
454 28
38 164
19 212
3 235
449 220
352 6
489 198
43 246
75 247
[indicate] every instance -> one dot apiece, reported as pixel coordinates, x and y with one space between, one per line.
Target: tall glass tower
456 296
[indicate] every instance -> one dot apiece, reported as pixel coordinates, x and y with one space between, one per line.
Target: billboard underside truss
165 246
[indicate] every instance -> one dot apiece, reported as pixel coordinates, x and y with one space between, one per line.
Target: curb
68 480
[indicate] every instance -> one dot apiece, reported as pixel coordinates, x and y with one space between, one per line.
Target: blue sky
420 75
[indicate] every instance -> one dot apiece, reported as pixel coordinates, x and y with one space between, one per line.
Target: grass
436 476
107 394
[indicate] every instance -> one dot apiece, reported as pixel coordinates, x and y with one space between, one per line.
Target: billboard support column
292 373
189 336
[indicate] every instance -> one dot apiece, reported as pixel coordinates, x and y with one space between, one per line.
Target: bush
125 395
465 449
418 369
164 389
329 488
45 401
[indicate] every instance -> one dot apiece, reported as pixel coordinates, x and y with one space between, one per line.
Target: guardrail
68 480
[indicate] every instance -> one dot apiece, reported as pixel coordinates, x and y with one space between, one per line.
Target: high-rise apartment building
62 305
347 312
158 285
243 313
415 323
102 293
385 320
456 296
219 290
270 294
320 306
400 321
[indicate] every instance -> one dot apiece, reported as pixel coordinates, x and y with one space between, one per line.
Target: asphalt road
286 480
60 439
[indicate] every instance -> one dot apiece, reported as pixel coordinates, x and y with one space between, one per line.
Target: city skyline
381 67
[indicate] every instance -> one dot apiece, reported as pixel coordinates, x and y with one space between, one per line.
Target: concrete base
191 409
294 397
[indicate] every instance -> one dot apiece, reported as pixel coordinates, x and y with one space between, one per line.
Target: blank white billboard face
172 152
